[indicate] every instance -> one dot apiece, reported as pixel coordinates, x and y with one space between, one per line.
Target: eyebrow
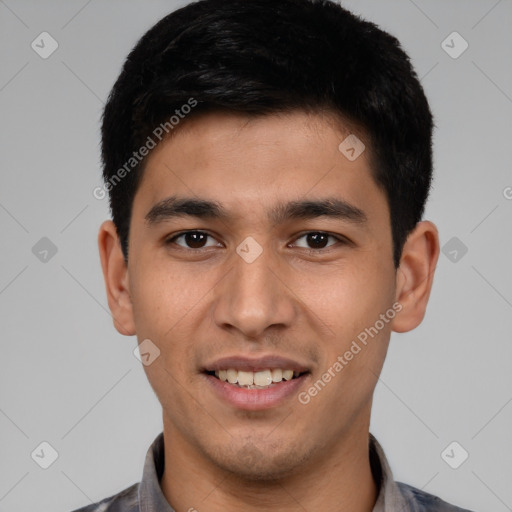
175 207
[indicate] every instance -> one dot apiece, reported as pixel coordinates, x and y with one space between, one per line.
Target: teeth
245 378
232 376
288 374
277 375
254 380
263 378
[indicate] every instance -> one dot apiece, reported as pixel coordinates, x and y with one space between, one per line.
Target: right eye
192 240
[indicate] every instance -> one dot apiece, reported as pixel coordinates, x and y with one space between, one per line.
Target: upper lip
242 363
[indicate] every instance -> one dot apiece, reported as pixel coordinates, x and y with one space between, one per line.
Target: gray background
68 378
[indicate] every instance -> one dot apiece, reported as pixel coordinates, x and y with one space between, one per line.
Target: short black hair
260 57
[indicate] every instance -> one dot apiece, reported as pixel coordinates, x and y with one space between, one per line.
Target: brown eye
316 240
192 240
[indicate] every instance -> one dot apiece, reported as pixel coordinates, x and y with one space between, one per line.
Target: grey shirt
147 496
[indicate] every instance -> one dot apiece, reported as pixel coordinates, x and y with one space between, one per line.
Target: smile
255 380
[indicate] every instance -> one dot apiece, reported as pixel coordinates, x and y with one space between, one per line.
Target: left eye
317 240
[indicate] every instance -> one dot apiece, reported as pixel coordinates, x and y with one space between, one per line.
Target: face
259 250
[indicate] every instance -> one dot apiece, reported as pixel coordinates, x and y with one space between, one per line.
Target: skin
203 305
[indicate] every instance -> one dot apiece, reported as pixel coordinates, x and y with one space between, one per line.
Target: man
268 165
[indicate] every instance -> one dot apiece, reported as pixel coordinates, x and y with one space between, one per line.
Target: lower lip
256 399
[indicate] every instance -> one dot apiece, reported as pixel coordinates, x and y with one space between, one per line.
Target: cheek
350 297
162 296
365 326
169 305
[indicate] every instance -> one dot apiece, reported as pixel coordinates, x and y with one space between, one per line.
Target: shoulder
425 502
125 501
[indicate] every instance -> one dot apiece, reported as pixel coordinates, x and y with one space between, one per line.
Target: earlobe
115 275
415 275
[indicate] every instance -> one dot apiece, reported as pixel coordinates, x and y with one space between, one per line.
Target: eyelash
339 239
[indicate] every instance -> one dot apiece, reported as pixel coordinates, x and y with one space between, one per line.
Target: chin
260 463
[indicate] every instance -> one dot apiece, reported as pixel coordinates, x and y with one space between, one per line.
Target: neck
192 483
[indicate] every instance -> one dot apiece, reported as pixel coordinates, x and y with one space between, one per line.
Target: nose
254 296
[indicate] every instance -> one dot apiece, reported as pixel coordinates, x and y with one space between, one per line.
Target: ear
415 275
115 274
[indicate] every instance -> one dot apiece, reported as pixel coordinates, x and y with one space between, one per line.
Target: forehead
255 164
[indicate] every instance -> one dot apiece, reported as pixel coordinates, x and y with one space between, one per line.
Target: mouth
263 379
256 384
